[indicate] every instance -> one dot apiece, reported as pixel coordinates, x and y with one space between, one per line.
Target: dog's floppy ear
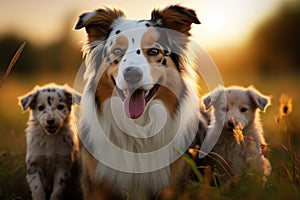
97 23
258 99
207 101
73 97
212 97
175 17
28 100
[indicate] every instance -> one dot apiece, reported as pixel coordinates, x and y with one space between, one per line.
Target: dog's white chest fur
121 145
41 144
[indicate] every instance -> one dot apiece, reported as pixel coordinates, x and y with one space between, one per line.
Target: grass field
283 137
268 60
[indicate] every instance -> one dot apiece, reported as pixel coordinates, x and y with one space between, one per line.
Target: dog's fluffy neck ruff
150 182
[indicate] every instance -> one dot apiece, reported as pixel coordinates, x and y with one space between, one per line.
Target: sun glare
222 22
229 23
214 24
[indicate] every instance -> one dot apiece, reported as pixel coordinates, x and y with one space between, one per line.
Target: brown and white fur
52 142
137 80
240 107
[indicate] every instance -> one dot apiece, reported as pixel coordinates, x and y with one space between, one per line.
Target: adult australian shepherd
140 108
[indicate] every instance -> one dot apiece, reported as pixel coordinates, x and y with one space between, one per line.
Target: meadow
270 62
281 125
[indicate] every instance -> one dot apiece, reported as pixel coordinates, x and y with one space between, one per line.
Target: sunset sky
226 22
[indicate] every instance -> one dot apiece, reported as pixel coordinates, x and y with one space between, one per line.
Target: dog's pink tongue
134 105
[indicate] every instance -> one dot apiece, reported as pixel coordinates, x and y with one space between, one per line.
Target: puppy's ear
207 101
175 17
211 98
28 100
97 23
259 100
72 96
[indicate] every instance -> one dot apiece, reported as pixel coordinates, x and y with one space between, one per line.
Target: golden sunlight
223 22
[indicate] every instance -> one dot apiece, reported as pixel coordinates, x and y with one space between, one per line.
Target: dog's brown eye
244 109
152 51
41 108
60 107
117 52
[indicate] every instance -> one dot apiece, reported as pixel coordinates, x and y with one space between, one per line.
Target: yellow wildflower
238 133
285 107
265 150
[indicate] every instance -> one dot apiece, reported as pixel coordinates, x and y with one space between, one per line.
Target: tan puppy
241 143
52 143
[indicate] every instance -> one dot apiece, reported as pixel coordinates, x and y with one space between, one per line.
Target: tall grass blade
12 63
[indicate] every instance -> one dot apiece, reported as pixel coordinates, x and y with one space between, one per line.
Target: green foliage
277 39
12 177
9 44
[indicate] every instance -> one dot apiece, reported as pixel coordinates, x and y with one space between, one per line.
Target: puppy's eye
243 109
41 108
153 51
60 107
117 52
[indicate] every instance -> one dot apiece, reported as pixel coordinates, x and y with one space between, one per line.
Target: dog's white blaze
133 30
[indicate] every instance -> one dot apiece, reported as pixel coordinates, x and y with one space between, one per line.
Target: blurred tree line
59 57
276 42
275 46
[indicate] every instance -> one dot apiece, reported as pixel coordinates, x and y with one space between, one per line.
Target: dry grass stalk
238 133
12 63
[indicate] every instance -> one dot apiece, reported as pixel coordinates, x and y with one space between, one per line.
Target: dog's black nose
133 75
50 121
230 123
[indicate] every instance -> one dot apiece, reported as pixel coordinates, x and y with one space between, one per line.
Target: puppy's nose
230 123
50 121
133 75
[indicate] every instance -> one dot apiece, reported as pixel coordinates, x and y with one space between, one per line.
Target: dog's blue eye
117 52
60 107
244 109
153 51
41 108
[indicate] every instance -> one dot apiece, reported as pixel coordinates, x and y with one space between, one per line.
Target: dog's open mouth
135 101
52 129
